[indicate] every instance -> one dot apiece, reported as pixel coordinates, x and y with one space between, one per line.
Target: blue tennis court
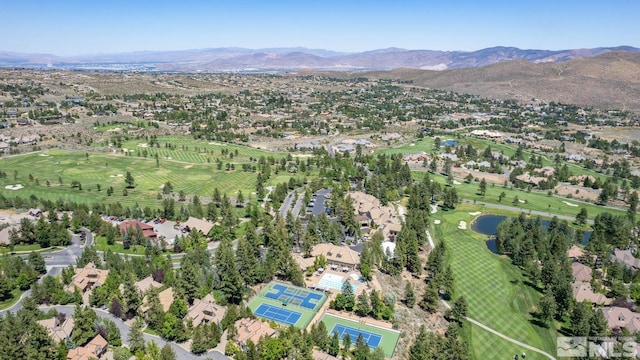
275 313
294 296
372 340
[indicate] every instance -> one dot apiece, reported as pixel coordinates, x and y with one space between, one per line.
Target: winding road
181 352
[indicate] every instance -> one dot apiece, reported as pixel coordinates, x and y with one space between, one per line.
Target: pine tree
334 345
409 295
135 338
362 304
430 298
231 283
547 307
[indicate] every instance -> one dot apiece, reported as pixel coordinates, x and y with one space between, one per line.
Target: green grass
22 248
535 200
188 170
9 302
485 345
306 314
100 243
493 287
389 337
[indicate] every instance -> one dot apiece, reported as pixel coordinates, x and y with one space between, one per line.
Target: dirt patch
409 320
577 192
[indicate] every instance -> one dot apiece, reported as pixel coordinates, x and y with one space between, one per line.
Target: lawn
191 168
100 244
15 295
493 287
535 200
389 337
485 345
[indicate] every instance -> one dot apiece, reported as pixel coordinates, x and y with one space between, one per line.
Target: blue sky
89 27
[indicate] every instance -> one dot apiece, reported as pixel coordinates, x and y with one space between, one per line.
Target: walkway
503 336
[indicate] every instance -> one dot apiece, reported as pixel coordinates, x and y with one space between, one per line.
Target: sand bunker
143 145
14 187
570 204
44 155
188 166
436 222
412 144
462 225
475 213
119 175
522 201
434 209
456 182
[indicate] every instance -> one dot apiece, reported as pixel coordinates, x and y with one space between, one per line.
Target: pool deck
315 278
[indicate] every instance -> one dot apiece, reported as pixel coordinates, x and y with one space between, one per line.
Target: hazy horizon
75 28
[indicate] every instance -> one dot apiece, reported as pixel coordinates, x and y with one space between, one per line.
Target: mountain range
293 59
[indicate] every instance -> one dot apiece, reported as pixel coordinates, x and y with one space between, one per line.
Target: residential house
144 285
319 355
337 256
581 272
575 252
203 226
620 317
147 230
95 349
583 292
87 278
205 311
251 329
626 257
166 297
391 231
58 330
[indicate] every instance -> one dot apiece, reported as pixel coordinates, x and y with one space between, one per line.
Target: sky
73 27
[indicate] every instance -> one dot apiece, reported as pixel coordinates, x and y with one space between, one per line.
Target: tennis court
372 340
287 304
280 315
289 295
375 336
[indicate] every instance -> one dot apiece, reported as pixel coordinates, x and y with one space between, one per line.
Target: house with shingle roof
251 329
87 277
626 257
93 350
340 256
581 272
205 310
620 317
58 330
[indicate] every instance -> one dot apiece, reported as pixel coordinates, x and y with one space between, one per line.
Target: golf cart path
503 336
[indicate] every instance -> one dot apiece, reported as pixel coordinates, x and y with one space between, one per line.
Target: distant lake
449 143
488 225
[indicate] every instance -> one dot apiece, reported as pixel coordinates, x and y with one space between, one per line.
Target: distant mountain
610 80
291 59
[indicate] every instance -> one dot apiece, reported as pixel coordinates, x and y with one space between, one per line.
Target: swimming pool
334 281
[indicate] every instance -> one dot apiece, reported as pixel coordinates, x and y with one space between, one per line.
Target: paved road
286 204
181 353
517 209
503 336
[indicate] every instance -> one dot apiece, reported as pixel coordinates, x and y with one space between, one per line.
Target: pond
448 143
488 225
